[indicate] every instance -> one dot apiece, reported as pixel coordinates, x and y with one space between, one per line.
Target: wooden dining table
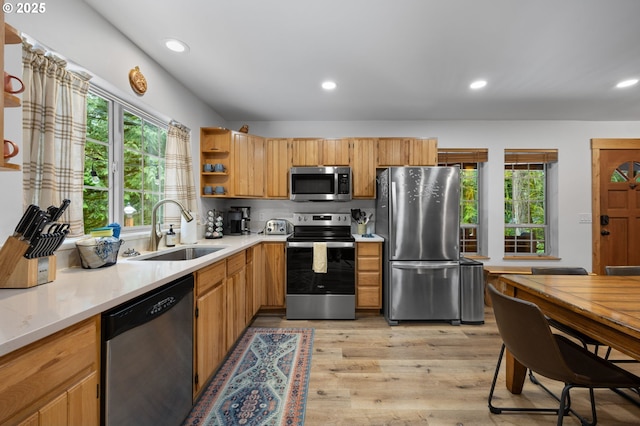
604 307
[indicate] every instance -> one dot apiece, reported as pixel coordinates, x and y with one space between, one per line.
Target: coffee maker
240 221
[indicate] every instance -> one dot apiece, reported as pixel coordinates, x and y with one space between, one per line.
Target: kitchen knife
28 216
59 240
36 226
56 212
36 246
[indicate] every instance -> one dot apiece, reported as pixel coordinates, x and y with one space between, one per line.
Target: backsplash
263 210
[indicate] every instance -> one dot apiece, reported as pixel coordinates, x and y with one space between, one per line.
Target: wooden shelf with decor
215 148
9 36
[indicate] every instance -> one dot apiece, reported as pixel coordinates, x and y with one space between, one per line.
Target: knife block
16 271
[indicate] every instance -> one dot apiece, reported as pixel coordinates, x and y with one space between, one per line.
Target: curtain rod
180 125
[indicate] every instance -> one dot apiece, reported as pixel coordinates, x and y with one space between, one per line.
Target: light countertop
27 315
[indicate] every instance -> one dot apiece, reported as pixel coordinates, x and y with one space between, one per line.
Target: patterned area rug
263 382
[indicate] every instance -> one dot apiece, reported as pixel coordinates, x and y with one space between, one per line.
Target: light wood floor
365 372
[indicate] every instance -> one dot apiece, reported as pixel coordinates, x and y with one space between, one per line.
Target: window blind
520 156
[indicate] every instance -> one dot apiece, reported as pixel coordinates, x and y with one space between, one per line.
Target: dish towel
320 258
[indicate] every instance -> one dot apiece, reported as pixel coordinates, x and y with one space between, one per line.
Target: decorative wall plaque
137 81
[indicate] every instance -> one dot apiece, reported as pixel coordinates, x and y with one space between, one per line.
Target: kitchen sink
182 253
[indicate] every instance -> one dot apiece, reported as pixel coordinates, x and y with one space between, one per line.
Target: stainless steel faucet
156 234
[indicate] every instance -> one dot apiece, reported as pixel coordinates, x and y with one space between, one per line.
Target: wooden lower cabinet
210 322
53 381
255 281
369 276
236 295
274 274
73 407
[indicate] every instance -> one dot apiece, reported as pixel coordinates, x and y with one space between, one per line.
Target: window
526 201
124 162
470 162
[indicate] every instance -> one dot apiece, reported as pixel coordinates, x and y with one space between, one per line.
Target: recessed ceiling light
176 45
478 84
627 83
329 85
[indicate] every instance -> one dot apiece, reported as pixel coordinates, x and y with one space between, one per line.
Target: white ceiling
396 59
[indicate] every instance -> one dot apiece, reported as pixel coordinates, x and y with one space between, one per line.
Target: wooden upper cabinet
248 165
407 152
335 152
363 167
392 152
320 152
306 152
423 152
215 147
278 164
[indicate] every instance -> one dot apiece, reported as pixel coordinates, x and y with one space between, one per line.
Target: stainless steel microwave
320 183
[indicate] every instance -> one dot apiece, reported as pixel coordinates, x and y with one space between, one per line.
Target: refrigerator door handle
426 266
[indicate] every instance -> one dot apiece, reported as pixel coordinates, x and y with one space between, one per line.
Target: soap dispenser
171 237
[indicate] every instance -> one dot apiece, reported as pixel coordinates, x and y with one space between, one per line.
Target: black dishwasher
147 353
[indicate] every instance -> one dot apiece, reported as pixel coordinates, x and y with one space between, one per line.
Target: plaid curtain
179 182
54 113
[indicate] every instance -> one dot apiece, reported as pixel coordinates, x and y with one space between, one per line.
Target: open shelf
11 35
11 101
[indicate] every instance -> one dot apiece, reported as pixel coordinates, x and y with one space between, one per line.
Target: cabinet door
255 281
248 165
274 274
55 412
306 152
423 152
392 152
335 152
278 165
236 303
210 333
84 408
363 167
369 276
249 292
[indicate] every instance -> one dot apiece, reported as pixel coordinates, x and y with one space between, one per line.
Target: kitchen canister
188 230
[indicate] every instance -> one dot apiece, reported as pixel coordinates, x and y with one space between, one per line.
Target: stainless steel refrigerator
417 213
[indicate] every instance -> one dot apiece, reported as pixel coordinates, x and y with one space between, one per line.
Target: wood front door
616 215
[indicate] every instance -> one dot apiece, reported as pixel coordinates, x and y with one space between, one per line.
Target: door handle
604 232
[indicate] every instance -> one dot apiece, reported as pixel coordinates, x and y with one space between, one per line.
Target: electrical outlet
261 216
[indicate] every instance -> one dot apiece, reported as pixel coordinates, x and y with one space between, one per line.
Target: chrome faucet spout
156 234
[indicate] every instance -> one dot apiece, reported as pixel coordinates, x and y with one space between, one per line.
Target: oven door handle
330 244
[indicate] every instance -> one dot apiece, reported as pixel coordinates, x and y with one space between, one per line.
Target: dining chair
622 270
567 270
552 356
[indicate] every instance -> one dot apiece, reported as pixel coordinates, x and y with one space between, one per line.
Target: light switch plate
584 217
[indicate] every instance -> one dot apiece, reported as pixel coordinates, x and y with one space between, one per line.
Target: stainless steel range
321 267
